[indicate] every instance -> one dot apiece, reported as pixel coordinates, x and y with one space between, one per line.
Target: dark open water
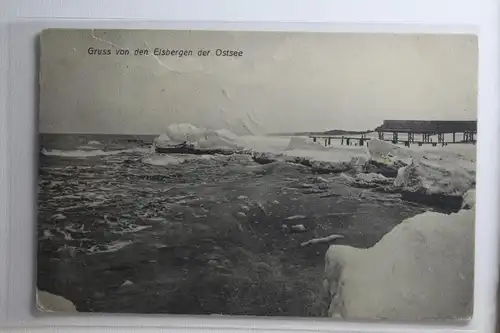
209 235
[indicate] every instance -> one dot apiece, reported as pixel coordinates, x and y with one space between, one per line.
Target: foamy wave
87 153
163 160
111 247
133 229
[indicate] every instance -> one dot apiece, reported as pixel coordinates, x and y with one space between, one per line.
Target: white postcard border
18 128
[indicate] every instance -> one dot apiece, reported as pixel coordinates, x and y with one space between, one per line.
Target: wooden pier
410 132
347 140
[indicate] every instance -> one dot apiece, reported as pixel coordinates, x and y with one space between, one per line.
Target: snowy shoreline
429 176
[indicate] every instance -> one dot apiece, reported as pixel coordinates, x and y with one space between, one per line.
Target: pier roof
431 126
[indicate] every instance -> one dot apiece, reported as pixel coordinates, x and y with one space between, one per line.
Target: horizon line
157 134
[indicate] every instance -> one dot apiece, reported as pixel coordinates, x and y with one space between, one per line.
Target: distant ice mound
421 270
192 137
48 302
388 153
321 159
324 165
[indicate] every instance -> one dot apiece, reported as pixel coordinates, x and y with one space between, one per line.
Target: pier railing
426 139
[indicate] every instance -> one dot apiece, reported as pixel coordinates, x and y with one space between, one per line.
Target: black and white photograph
257 173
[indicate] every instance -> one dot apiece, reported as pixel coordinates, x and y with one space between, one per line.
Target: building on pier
426 129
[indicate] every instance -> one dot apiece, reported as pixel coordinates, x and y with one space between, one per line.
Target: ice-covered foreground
48 302
422 269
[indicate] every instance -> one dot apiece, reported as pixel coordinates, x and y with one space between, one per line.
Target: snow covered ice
48 302
422 269
196 137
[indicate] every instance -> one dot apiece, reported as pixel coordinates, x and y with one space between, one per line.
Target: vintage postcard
247 173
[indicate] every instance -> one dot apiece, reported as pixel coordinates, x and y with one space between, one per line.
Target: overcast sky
283 82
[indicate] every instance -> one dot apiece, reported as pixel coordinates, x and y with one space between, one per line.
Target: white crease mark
225 93
105 41
161 63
